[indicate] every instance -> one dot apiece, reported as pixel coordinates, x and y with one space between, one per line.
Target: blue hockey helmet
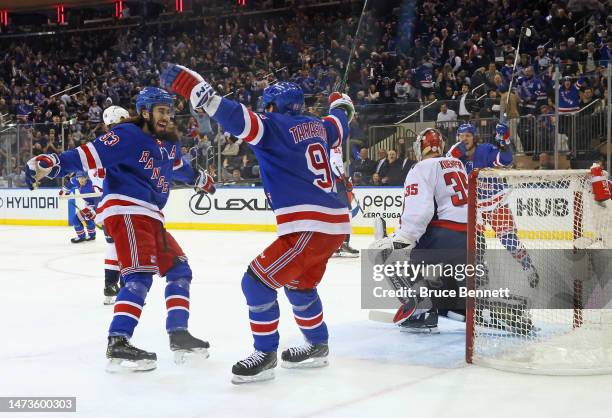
466 128
80 174
150 96
286 96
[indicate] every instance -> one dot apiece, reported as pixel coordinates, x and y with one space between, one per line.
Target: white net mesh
542 236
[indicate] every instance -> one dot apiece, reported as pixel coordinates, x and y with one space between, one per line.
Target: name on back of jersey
308 130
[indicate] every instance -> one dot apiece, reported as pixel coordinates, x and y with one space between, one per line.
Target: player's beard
168 134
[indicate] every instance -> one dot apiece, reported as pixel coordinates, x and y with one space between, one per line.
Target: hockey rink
54 339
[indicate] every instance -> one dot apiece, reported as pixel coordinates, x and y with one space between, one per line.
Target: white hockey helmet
114 114
429 140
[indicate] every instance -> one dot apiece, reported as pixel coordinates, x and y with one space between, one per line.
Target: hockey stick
382 315
527 32
348 62
81 196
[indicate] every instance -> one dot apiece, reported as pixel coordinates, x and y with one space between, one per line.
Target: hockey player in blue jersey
81 182
492 207
292 151
141 157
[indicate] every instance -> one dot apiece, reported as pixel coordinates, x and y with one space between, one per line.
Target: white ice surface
53 328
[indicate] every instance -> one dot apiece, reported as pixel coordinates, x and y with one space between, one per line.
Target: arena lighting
241 2
118 9
178 6
61 16
4 20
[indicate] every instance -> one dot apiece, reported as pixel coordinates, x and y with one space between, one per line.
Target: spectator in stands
447 120
376 180
373 94
382 159
391 170
363 165
464 113
545 162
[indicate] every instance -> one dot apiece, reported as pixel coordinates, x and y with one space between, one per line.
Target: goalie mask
428 141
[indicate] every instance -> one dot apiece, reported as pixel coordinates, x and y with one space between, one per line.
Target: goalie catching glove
37 168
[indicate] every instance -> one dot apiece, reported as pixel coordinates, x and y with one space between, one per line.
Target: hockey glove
180 80
458 151
88 213
204 183
37 168
599 183
342 101
502 135
348 183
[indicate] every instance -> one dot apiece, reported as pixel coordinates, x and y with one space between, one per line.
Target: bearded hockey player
492 207
432 229
292 151
141 157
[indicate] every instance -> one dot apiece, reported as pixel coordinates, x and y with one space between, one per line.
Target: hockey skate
257 367
124 357
91 238
346 251
306 356
110 293
425 323
185 346
77 240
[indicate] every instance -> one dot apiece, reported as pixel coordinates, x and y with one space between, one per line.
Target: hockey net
541 235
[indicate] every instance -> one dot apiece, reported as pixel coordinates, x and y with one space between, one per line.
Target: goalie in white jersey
432 228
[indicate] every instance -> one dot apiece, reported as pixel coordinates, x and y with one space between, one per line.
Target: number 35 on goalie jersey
435 193
293 156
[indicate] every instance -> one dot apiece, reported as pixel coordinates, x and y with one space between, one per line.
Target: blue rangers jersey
292 152
139 170
491 192
569 99
73 184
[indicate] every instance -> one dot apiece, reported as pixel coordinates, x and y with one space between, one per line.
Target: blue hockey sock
129 303
264 313
178 281
308 313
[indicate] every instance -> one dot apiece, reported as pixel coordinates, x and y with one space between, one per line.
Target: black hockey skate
257 367
110 293
184 345
346 251
424 323
77 240
306 356
91 238
124 356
